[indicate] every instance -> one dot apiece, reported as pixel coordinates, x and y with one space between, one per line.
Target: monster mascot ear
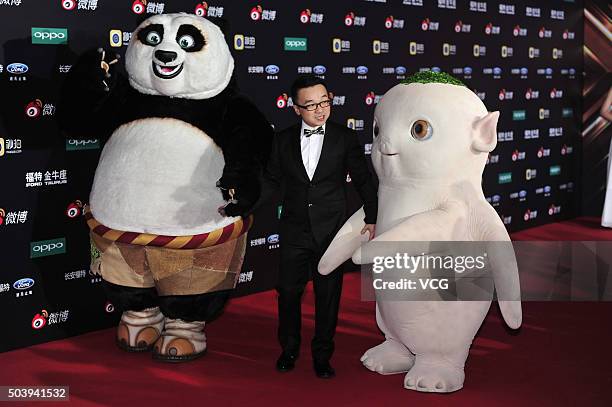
484 134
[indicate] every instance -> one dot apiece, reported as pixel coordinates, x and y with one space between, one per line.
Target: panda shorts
170 271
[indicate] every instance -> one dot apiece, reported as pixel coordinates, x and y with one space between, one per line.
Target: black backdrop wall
522 58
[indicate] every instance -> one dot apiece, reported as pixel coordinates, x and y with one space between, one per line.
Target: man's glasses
313 106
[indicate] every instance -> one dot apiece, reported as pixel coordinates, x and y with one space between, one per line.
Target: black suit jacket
318 204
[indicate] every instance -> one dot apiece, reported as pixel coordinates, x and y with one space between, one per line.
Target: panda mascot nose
165 56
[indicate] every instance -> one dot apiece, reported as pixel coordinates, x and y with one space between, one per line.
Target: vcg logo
48 36
47 248
17 68
296 44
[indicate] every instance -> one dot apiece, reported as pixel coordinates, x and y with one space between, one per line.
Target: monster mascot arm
182 142
430 191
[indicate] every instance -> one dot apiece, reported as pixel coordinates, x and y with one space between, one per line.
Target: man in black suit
309 163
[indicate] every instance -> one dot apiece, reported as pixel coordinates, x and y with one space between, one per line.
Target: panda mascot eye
153 38
186 42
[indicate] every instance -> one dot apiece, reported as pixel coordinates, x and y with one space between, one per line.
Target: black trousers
300 255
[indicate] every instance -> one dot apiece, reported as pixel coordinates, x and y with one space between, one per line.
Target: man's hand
369 227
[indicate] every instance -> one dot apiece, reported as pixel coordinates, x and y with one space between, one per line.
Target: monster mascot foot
430 191
179 142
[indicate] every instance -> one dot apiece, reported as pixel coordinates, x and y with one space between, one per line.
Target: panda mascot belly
180 143
149 179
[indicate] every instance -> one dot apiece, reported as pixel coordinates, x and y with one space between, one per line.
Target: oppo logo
49 35
296 44
47 248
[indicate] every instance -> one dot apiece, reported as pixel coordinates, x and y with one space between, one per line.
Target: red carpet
561 357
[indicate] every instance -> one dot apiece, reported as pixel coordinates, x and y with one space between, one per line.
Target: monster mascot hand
181 143
431 142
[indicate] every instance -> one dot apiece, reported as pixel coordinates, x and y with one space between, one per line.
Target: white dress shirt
311 149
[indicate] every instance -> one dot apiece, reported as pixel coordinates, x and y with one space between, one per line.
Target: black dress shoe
323 370
286 362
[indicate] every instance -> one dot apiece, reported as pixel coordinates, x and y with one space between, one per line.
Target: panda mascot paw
179 142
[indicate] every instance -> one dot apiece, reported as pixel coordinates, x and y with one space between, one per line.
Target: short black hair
305 81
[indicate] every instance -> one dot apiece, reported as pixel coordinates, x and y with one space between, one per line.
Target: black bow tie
318 130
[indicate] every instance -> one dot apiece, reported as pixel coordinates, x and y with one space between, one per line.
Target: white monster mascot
181 142
432 138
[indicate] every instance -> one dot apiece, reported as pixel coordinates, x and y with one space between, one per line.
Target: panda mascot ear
224 26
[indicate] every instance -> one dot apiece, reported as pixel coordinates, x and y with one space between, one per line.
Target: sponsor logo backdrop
522 58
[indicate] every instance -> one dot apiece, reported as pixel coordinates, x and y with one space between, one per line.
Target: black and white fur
179 136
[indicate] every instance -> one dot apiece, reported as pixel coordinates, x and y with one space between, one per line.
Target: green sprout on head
432 77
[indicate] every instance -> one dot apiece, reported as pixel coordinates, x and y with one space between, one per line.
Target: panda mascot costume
181 143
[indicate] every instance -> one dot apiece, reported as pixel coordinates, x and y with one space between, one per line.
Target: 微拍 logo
17 68
296 44
23 284
48 36
47 248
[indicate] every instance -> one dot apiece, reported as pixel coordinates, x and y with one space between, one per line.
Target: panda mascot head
179 55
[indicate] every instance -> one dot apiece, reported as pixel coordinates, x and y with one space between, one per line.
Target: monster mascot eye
421 130
153 38
375 129
186 41
68 4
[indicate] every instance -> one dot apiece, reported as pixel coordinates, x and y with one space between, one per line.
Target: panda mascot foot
139 330
180 341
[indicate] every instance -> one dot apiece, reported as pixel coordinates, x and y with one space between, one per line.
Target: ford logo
319 70
549 71
497 70
23 284
467 70
547 189
496 198
272 69
436 69
273 239
523 193
362 70
400 70
572 71
524 71
17 68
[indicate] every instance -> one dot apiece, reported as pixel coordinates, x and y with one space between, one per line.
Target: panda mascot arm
247 145
93 96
